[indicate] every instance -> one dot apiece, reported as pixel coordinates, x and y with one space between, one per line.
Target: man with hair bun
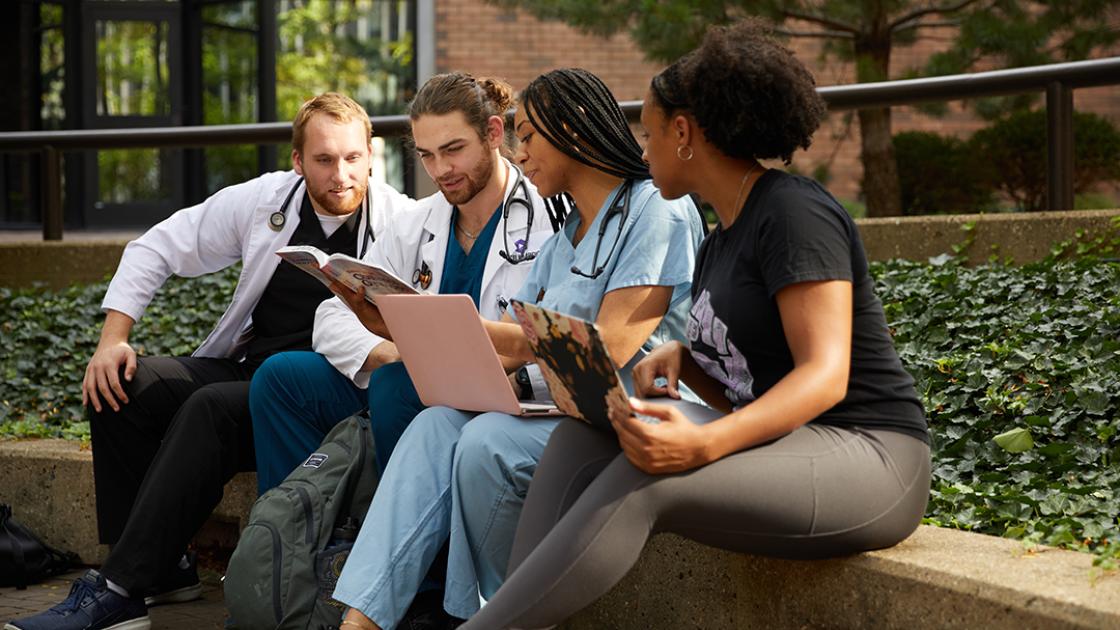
169 432
463 239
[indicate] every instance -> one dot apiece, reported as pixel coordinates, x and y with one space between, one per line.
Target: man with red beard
169 432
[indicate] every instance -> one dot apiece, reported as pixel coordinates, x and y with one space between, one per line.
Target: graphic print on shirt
716 355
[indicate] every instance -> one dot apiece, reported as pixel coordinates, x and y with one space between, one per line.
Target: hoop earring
684 158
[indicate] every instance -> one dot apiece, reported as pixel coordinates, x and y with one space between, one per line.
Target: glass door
132 65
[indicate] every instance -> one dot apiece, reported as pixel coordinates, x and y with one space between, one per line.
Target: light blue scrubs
468 480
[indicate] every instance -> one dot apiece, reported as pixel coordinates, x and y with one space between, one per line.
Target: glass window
132 68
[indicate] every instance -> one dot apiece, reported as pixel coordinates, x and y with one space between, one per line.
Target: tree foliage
940 174
1015 151
1012 33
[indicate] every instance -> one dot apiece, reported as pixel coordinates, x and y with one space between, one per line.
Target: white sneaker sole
143 623
177 596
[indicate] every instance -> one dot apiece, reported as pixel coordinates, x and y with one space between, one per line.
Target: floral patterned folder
581 377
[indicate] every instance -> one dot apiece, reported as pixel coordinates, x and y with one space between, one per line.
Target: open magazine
347 270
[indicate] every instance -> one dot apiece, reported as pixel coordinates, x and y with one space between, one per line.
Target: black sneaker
90 606
181 585
426 613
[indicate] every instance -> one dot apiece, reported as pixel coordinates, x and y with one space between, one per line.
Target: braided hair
576 112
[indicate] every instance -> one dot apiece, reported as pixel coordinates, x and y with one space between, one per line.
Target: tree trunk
880 171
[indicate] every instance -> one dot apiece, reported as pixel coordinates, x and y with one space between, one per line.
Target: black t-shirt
792 230
284 316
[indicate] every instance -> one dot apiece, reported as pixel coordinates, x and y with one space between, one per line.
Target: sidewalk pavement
202 614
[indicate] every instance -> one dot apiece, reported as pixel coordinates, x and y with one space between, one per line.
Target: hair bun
498 92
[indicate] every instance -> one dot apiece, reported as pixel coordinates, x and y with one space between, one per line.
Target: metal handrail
1057 80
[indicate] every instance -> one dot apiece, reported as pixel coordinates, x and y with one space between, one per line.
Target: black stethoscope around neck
620 205
519 195
277 219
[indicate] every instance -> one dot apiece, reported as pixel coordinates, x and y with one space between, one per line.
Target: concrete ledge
1024 237
49 484
938 578
58 264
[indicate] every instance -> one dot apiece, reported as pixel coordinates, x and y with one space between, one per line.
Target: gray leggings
818 492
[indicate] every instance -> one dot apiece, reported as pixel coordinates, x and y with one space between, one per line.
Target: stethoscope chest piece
422 276
276 221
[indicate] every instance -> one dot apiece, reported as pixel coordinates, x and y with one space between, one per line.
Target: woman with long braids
824 448
623 260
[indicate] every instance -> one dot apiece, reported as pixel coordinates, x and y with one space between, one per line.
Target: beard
338 207
476 180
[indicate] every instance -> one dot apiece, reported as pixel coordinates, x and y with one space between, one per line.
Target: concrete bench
938 578
49 483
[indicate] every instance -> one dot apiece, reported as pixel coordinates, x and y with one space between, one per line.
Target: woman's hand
663 362
366 312
672 445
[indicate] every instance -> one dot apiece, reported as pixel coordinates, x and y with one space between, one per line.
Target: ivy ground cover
1018 368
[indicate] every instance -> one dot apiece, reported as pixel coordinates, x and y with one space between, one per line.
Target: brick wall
485 40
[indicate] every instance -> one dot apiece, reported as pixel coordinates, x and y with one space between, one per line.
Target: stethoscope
277 219
620 205
518 196
520 252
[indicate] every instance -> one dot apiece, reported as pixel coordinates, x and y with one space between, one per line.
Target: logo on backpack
316 460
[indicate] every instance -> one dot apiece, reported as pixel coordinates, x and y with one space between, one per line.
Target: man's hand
103 375
366 312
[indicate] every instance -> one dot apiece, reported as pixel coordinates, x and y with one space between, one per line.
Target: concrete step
937 578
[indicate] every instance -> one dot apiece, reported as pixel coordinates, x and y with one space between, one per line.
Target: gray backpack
289 556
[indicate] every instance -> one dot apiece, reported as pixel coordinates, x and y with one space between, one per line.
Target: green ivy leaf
1016 440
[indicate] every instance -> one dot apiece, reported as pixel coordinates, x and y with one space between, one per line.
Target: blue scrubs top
656 247
462 273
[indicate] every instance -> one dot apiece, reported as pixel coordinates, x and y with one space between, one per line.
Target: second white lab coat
419 237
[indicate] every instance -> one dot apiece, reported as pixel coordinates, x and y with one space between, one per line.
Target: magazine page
373 279
307 258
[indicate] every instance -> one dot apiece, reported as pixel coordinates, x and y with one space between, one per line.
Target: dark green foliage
995 348
1015 147
940 174
49 336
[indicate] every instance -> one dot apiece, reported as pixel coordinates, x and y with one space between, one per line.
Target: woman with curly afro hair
823 450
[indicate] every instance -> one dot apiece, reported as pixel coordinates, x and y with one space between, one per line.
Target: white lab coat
230 226
420 236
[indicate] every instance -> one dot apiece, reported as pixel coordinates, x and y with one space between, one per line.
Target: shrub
50 335
1015 147
1030 355
939 175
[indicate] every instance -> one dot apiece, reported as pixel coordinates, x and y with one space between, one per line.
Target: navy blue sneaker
90 606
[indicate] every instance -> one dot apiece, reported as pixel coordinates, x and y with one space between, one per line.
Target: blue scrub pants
297 397
453 474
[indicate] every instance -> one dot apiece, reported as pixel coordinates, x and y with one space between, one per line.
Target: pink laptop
449 356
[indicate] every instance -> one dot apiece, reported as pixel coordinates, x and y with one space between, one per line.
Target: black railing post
267 42
1059 146
50 178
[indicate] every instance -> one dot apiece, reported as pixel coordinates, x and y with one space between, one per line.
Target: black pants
161 462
